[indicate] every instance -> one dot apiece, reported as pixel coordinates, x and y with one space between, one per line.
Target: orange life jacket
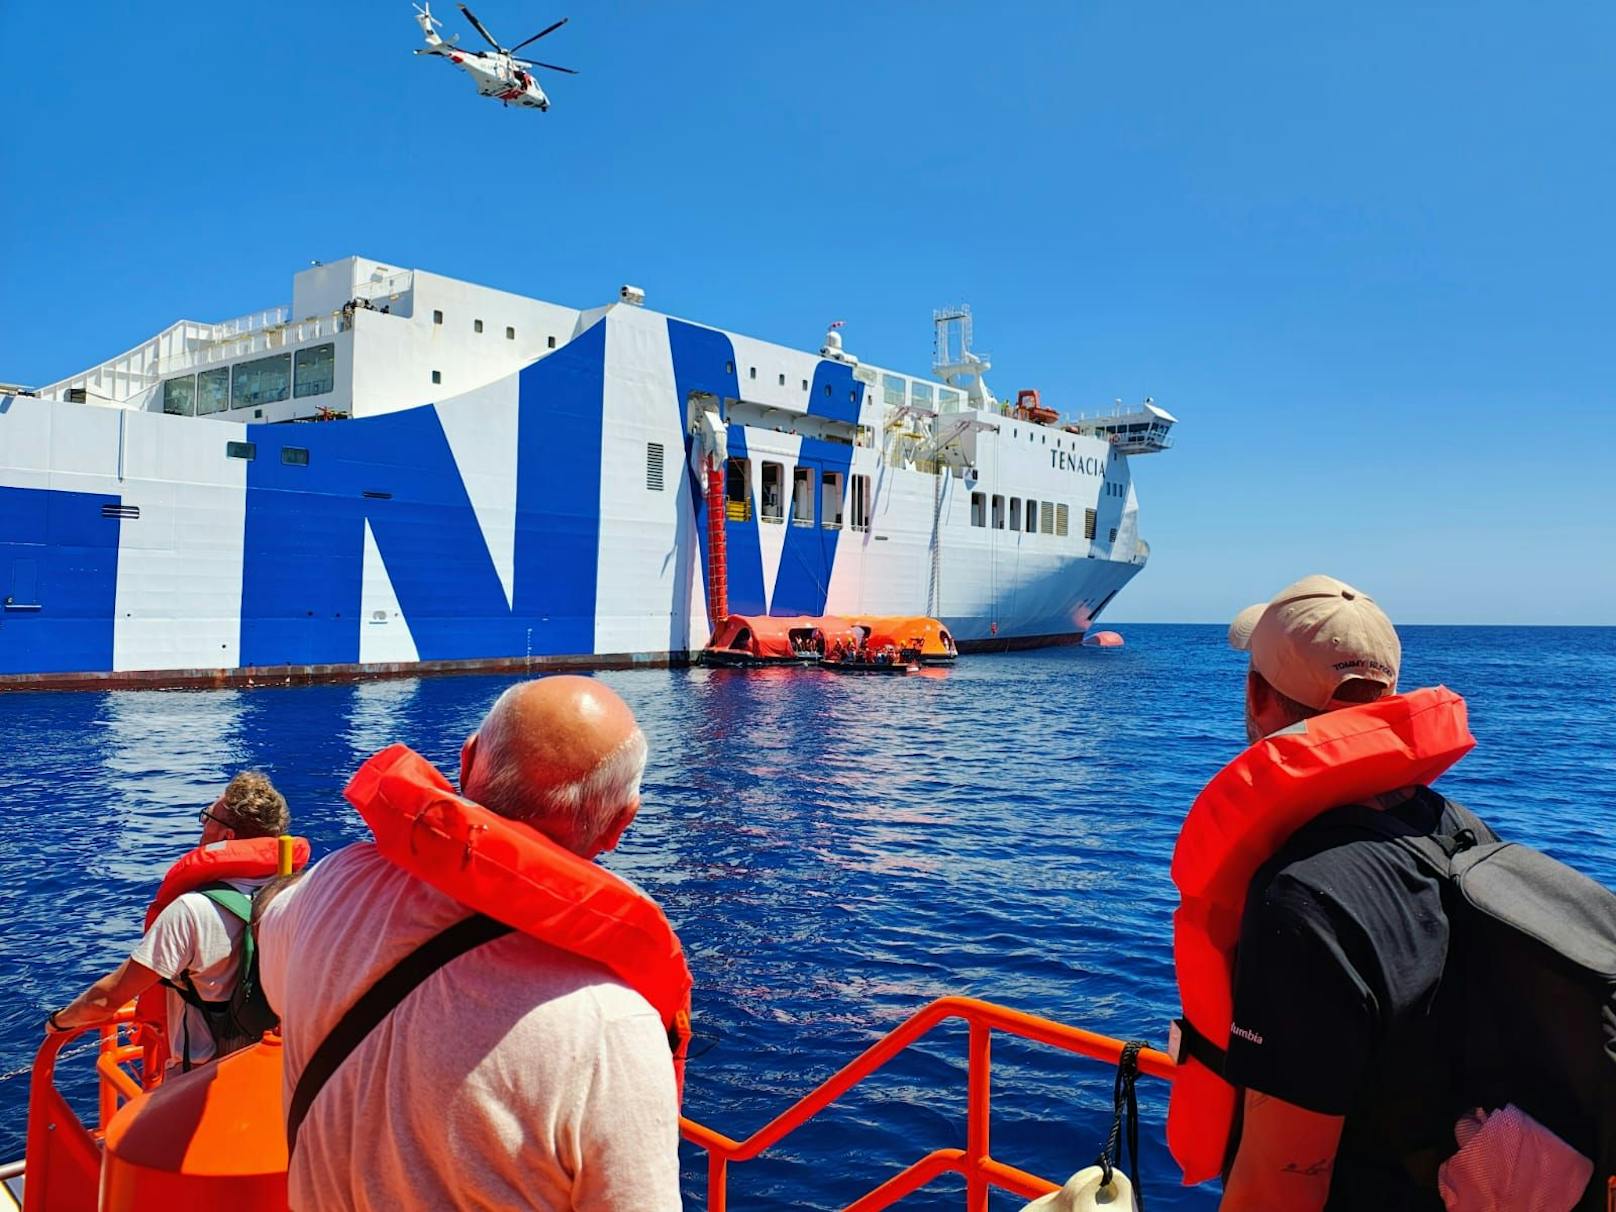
1239 821
514 874
251 858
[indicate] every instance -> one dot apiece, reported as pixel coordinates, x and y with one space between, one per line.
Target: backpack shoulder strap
1435 851
233 902
228 899
377 1002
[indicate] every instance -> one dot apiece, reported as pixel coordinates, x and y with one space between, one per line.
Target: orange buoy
211 1138
1103 639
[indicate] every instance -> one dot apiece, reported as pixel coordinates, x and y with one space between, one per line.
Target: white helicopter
498 73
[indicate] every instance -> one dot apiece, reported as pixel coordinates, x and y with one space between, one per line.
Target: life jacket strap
1190 1044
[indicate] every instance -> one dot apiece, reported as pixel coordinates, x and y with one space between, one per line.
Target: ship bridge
1140 429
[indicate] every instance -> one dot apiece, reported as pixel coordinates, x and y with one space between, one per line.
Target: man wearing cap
1334 1037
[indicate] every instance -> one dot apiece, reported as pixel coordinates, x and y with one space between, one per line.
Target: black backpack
1531 980
242 1020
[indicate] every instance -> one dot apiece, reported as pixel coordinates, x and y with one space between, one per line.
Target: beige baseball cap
1315 635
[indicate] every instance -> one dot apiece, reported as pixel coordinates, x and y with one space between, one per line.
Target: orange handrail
974 1162
64 1156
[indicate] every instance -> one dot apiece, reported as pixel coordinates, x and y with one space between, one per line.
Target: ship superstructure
403 471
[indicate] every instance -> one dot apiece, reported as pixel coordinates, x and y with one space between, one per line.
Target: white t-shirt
516 1076
195 935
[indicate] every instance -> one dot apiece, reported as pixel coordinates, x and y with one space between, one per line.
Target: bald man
517 1075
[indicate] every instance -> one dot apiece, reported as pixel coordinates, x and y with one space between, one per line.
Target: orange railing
64 1156
974 1161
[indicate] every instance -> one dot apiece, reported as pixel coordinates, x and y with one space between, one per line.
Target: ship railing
391 286
241 326
63 1155
285 335
974 1162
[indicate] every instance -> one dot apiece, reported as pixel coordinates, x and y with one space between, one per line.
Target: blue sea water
836 851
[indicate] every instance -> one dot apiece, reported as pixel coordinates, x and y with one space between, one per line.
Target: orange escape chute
514 874
248 858
1238 822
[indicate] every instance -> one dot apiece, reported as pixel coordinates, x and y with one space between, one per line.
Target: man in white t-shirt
194 939
515 1076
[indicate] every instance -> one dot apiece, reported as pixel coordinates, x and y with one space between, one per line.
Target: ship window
805 384
549 342
179 396
861 503
920 393
729 368
1062 521
295 456
830 500
476 326
979 509
1113 534
892 391
1015 513
737 490
437 376
782 380
947 401
261 381
998 512
437 317
773 492
1088 524
510 333
241 450
802 496
751 372
1032 516
827 389
212 391
1046 518
653 466
314 370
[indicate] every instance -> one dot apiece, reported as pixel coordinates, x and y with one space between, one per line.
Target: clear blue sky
1364 252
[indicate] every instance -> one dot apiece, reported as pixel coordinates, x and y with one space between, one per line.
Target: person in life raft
192 939
1341 948
529 1063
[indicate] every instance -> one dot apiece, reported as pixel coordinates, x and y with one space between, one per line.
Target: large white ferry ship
402 472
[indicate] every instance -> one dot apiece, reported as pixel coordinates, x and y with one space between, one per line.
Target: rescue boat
213 1138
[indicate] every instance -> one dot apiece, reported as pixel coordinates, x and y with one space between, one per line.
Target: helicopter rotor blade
571 71
547 30
478 26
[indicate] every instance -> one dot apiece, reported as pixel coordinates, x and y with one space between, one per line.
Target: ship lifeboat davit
206 1139
1103 639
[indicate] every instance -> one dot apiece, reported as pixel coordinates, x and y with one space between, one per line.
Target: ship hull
554 518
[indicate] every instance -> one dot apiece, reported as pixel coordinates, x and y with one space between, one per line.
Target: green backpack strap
240 904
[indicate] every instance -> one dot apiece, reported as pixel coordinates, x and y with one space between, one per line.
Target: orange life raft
518 876
251 858
1240 820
